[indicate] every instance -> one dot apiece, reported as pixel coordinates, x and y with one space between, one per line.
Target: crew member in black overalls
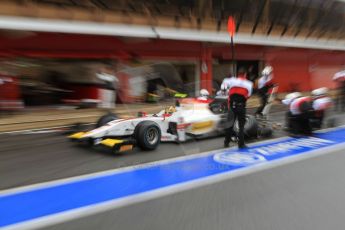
240 89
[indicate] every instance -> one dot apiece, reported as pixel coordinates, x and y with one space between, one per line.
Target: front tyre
103 120
147 135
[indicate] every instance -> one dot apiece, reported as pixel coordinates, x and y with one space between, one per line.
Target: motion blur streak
81 194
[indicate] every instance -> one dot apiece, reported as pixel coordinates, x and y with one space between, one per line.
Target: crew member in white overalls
299 115
321 103
203 95
265 83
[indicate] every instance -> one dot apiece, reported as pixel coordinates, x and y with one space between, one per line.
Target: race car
191 118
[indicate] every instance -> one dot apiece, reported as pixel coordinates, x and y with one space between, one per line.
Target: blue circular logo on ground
238 158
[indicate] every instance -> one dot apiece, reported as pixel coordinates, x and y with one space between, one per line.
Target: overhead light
75 27
124 30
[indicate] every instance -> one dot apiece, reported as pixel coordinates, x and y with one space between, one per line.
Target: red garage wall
321 75
10 98
297 69
323 66
292 75
304 68
291 66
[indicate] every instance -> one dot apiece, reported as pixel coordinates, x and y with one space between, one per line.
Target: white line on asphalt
35 130
41 130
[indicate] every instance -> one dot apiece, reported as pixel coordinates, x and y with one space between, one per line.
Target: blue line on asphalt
21 206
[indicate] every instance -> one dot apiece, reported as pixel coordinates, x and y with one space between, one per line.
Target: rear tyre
265 132
250 127
105 119
147 135
332 122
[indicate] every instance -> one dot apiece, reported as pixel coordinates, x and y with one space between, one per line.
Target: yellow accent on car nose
202 125
111 142
77 135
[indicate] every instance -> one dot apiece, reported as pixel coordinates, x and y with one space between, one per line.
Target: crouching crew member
321 103
240 89
203 95
299 114
265 83
339 79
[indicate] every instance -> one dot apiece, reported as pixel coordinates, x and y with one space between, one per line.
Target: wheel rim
152 135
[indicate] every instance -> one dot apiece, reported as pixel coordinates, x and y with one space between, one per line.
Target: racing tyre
265 132
250 127
147 135
332 122
105 119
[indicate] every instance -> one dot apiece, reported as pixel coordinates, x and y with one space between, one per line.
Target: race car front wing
117 145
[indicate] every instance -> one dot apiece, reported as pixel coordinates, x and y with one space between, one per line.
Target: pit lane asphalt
34 158
303 195
306 195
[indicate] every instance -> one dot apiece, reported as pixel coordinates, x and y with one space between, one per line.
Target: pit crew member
240 89
321 103
265 83
203 95
224 87
299 114
339 79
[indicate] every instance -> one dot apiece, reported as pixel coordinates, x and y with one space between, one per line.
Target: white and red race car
192 118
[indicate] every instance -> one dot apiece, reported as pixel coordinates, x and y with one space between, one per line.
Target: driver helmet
290 97
267 70
319 92
204 93
171 110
